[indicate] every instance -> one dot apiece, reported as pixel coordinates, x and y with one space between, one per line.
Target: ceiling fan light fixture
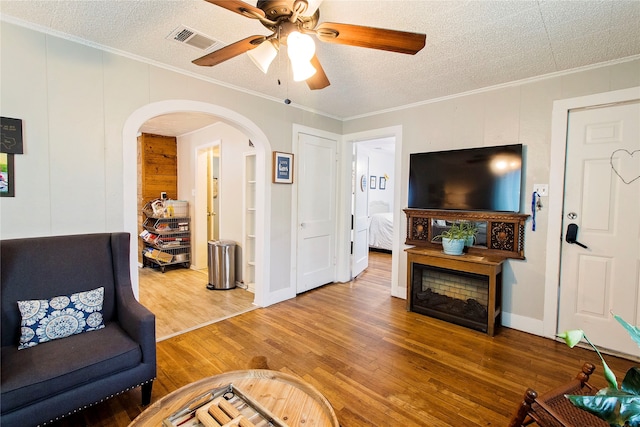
263 55
300 49
302 70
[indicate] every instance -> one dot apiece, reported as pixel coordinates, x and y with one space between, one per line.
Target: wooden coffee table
287 397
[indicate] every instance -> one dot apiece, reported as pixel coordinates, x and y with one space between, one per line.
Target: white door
602 198
213 171
317 170
360 243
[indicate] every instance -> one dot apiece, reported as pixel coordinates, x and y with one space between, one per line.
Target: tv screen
474 179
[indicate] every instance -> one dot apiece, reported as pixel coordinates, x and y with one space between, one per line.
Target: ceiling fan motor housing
280 11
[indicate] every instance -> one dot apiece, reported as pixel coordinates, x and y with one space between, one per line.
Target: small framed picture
7 175
282 168
372 182
383 183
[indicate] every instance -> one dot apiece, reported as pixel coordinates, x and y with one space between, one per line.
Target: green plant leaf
630 410
609 375
572 337
634 332
615 408
603 406
631 382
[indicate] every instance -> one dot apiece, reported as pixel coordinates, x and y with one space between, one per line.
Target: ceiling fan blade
319 80
240 7
228 52
374 38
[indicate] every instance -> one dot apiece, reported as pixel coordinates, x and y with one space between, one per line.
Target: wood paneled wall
157 170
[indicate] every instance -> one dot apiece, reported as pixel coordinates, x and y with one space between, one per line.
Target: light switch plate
541 189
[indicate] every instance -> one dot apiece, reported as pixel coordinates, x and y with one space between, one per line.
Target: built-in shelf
249 221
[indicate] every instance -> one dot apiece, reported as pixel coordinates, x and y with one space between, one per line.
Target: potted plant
453 239
617 406
470 230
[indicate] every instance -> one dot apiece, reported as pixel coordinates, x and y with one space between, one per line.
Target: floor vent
194 39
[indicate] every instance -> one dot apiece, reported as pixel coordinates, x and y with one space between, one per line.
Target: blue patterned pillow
59 317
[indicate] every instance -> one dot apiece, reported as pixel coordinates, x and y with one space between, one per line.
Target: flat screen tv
473 179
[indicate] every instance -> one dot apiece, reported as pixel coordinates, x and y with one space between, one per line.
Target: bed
380 226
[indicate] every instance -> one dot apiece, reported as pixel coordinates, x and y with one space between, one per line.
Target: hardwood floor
167 294
377 364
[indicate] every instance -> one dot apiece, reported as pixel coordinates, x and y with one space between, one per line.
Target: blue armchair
52 379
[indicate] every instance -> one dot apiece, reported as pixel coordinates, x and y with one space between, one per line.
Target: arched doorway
263 206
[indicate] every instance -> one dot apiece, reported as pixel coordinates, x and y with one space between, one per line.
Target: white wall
381 163
75 101
518 113
233 145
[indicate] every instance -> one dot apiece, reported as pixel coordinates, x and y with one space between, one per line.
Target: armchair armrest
134 318
138 322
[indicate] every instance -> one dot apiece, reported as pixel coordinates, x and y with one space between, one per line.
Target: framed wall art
11 136
7 175
282 168
383 183
372 182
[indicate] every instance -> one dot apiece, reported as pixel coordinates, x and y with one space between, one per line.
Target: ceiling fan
291 23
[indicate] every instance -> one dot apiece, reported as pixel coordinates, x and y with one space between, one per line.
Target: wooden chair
552 409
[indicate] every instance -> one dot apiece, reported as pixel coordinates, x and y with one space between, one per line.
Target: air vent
193 38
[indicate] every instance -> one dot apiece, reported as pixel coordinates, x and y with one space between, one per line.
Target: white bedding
381 231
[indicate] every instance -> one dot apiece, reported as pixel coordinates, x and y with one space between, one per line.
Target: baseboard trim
522 323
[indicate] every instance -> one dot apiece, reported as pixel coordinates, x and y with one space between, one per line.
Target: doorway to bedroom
372 201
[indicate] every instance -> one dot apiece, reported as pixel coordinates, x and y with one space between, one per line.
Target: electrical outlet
541 189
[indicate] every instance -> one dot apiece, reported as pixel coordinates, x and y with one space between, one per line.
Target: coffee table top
286 396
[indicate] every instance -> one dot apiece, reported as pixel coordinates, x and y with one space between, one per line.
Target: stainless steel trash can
222 264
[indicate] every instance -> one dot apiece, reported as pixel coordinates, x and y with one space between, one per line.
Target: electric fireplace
465 290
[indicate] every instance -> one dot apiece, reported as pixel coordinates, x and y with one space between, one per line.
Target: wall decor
627 164
7 175
383 183
363 183
372 182
11 136
282 168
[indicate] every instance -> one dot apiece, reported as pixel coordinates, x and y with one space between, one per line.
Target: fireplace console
499 233
461 289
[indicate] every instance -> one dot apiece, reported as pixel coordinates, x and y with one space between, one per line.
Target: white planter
452 246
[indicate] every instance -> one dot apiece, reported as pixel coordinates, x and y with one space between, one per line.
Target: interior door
213 171
360 248
317 170
602 200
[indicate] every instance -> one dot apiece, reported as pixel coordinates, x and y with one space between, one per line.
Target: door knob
572 234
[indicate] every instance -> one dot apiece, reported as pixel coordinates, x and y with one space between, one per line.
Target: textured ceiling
470 44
